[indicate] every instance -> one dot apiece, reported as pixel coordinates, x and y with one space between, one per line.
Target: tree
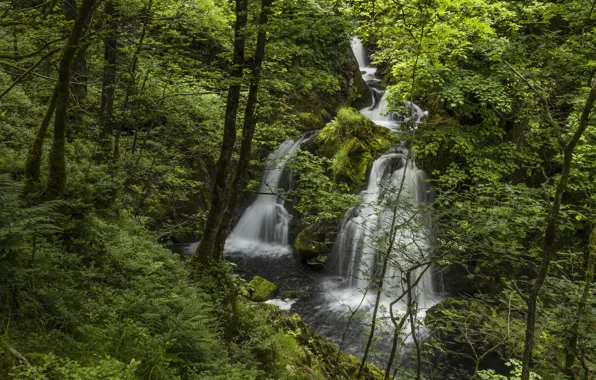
248 130
206 251
57 180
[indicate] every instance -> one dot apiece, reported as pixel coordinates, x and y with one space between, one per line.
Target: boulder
352 142
314 242
260 290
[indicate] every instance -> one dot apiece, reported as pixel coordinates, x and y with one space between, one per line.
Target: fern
18 224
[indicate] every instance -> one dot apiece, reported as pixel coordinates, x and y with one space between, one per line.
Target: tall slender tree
550 235
206 251
132 74
248 130
57 180
79 66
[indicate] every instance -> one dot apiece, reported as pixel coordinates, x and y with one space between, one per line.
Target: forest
297 189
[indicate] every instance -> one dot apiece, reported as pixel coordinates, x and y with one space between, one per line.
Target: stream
337 299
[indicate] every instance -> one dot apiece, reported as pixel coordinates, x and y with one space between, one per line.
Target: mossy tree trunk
57 180
248 130
35 154
206 253
79 66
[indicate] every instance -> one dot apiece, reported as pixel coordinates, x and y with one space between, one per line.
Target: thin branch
28 71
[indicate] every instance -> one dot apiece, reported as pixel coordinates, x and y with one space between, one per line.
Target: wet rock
315 241
360 94
352 142
260 290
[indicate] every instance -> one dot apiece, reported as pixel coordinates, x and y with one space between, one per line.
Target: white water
263 228
365 233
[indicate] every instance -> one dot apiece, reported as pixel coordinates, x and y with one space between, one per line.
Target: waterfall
263 227
366 232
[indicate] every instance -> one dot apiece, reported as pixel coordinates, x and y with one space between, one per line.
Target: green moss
353 142
261 289
315 241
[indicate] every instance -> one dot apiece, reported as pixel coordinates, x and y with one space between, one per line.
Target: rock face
261 290
315 241
316 109
353 142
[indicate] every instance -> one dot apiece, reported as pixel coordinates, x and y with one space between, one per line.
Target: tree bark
205 253
248 131
79 68
549 250
57 181
106 109
581 306
35 154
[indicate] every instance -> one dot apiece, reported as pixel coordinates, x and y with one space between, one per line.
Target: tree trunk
549 249
79 69
581 306
205 252
106 109
248 131
57 181
33 166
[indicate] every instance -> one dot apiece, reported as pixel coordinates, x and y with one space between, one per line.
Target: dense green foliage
88 288
505 83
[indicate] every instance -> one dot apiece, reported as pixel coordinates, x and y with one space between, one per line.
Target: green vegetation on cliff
353 142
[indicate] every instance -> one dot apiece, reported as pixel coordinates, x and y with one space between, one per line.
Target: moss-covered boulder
289 349
260 290
353 142
315 241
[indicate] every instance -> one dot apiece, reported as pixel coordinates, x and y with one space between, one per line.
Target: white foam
285 304
255 248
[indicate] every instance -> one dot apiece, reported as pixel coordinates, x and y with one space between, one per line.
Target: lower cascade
263 227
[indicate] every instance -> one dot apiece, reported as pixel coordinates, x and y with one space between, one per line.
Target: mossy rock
324 360
261 290
353 142
314 242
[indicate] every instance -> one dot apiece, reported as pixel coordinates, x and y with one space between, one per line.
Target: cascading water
325 301
393 219
263 227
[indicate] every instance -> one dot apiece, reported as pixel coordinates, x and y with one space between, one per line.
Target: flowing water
393 222
263 227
